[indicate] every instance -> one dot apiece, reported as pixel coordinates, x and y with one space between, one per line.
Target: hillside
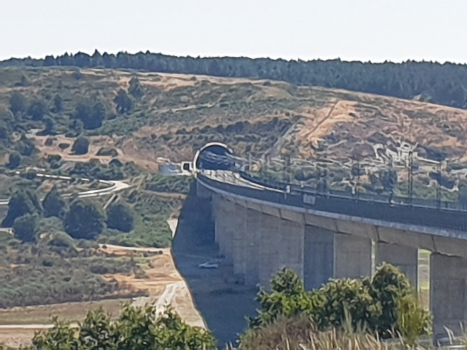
427 81
172 115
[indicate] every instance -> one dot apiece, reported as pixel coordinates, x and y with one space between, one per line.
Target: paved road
113 186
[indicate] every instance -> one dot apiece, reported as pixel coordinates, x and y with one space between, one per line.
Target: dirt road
164 284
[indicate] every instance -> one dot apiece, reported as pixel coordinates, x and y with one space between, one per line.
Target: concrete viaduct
259 230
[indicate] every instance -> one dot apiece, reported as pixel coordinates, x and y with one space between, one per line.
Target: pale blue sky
375 30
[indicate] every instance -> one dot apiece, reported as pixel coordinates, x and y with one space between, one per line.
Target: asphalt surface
113 186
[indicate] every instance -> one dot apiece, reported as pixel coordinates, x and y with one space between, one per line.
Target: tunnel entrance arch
213 156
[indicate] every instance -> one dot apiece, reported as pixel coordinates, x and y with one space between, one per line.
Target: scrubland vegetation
428 81
115 124
53 255
377 313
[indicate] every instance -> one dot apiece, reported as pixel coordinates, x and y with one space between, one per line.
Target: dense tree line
81 219
429 81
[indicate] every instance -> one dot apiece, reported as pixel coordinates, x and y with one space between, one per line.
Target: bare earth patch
162 281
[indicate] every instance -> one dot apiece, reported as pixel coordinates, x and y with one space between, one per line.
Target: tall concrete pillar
319 256
253 224
352 256
220 227
405 258
270 245
292 246
448 299
224 230
281 245
240 237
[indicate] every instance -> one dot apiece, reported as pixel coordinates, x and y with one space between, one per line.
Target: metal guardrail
454 221
395 200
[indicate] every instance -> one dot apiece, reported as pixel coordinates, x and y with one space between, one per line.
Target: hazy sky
375 30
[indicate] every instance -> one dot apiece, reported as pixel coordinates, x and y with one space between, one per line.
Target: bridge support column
252 250
352 256
240 237
223 229
269 248
448 285
405 258
319 256
281 245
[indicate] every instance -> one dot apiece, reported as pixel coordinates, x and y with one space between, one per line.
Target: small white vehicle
208 265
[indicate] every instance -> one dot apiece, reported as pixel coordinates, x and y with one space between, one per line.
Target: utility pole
410 178
438 186
357 185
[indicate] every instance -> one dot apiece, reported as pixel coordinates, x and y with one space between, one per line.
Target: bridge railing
452 220
369 197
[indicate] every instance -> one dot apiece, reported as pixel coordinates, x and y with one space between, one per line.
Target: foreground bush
384 305
136 329
301 334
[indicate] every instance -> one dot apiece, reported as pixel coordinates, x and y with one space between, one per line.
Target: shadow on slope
222 302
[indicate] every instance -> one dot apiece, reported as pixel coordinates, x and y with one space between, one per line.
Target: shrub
382 304
54 204
62 240
25 146
63 145
17 103
24 228
22 202
83 220
37 109
136 329
14 160
177 184
81 145
105 151
120 217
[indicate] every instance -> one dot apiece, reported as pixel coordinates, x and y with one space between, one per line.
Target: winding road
113 186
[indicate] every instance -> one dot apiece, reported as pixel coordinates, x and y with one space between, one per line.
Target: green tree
81 145
123 102
24 81
120 217
37 109
25 146
92 115
54 204
389 286
25 227
4 131
135 89
60 337
49 126
22 202
14 160
287 297
78 126
83 220
18 103
135 329
58 104
383 304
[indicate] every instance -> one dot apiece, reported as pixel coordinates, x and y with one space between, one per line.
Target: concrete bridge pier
222 227
334 255
319 256
281 245
352 256
448 289
253 224
403 257
236 228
